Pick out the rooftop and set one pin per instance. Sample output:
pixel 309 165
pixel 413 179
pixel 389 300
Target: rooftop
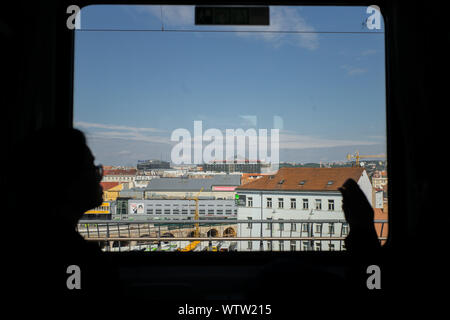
pixel 305 179
pixel 119 172
pixel 188 184
pixel 108 185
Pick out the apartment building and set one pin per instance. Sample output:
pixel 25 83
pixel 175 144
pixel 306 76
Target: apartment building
pixel 306 194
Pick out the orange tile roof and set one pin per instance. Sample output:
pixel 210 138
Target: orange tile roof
pixel 249 177
pixel 108 185
pixel 315 179
pixel 381 228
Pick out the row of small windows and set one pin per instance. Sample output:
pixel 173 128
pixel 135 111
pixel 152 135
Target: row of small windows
pixel 293 203
pixel 302 182
pixel 186 211
pixel 113 178
pixel 101 208
pixel 305 227
pixel 306 246
pixel 190 205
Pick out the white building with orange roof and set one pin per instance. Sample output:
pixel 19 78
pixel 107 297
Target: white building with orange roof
pixel 309 196
pixel 379 179
pixel 126 176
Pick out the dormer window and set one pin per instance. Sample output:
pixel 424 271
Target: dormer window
pixel 281 181
pixel 330 182
pixel 301 183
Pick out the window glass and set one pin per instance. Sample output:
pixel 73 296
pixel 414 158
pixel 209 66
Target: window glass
pixel 194 114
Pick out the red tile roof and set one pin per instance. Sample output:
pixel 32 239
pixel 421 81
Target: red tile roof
pixel 108 185
pixel 314 179
pixel 249 177
pixel 381 228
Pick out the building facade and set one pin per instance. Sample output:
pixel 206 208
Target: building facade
pixel 243 166
pixel 217 187
pixel 297 202
pixel 123 176
pixel 148 165
pixel 176 209
pixel 379 179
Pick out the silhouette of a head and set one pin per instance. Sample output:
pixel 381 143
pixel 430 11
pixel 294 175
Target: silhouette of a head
pixel 60 166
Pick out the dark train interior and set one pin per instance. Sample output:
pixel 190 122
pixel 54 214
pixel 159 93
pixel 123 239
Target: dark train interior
pixel 37 72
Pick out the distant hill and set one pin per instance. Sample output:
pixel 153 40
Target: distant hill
pixel 314 165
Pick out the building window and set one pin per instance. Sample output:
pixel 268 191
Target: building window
pixel 269 202
pixel 304 227
pixel 149 211
pixel 318 246
pixel 166 211
pixel 293 203
pixel 219 211
pixel 305 245
pixel 184 211
pixel 318 228
pixel 331 205
pixel 228 211
pixel 293 245
pixel 331 247
pixel 250 201
pixel 201 211
pixel 210 211
pixel 249 225
pixel 344 229
pixel 281 246
pixel 293 227
pixel 158 211
pixel 250 245
pixel 269 225
pixel 318 204
pixel 305 204
pixel 281 226
pixel 331 228
pixel 280 203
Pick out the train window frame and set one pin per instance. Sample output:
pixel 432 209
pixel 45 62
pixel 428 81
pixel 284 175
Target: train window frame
pixel 387 37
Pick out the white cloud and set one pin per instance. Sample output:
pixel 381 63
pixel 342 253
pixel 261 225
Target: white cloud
pixel 129 136
pixel 107 131
pixel 281 19
pixel 172 16
pixel 296 141
pixel 289 20
pixel 353 71
pixel 83 124
pixel 179 15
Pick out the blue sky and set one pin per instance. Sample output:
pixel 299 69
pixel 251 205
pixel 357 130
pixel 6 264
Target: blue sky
pixel 134 88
